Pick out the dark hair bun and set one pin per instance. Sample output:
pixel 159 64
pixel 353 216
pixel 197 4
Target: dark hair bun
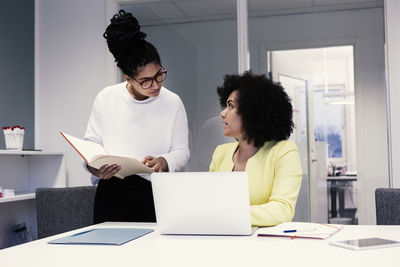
pixel 128 45
pixel 123 32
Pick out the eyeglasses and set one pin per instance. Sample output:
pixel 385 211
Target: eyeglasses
pixel 160 76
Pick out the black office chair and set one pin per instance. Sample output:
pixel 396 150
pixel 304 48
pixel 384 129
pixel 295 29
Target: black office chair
pixel 387 202
pixel 64 209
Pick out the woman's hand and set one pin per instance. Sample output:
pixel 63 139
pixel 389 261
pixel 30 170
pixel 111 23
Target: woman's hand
pixel 157 164
pixel 105 172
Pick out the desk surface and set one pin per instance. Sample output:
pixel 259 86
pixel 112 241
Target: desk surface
pixel 160 250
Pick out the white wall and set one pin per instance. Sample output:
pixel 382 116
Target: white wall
pixel 70 68
pixel 392 23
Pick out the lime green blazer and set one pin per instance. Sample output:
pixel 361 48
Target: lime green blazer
pixel 274 179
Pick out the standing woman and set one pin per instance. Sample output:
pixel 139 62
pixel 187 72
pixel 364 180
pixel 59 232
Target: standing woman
pixel 258 114
pixel 137 118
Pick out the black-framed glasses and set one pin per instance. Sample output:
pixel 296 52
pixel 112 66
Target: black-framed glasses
pixel 160 76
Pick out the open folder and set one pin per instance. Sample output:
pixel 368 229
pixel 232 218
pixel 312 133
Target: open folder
pixel 103 236
pixel 95 156
pixel 300 230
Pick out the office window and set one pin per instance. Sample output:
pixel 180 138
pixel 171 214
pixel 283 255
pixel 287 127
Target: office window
pixel 329 121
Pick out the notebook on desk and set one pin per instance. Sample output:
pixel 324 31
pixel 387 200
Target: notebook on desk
pixel 300 230
pixel 103 236
pixel 202 203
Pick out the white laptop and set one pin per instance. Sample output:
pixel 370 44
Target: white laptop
pixel 202 203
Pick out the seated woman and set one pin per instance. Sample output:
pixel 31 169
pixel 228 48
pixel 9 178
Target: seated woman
pixel 258 114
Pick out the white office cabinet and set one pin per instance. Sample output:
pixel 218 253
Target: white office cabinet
pixel 24 171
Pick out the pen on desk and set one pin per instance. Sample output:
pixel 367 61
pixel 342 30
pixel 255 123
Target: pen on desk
pixel 298 230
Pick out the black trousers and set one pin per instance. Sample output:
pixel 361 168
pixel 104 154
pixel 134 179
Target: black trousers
pixel 124 200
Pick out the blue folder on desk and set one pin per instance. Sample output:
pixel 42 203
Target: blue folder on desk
pixel 103 236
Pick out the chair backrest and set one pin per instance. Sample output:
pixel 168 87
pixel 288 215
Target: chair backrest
pixel 64 209
pixel 387 202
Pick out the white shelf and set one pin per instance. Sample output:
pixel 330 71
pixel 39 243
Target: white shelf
pixel 18 197
pixel 28 152
pixel 25 171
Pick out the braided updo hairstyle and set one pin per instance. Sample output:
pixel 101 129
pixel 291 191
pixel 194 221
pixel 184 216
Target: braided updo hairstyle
pixel 128 45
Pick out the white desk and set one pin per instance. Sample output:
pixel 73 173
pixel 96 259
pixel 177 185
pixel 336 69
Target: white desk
pixel 159 250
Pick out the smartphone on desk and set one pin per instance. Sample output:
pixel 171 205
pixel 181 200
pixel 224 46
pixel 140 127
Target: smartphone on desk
pixel 365 243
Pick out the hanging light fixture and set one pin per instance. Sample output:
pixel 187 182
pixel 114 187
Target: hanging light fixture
pixel 338 97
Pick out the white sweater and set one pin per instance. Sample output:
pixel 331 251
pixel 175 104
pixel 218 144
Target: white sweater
pixel 125 126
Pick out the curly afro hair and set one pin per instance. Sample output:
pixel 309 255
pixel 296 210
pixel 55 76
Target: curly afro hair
pixel 128 45
pixel 263 105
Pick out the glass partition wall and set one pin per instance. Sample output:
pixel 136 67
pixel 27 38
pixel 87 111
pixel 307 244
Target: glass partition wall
pixel 320 82
pixel 197 42
pixel 300 45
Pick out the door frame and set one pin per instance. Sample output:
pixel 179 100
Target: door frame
pixel 311 159
pixel 365 214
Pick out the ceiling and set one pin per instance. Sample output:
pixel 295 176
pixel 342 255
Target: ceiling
pixel 158 12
